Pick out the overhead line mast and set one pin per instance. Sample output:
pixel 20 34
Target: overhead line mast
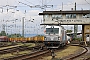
pixel 75 26
pixel 36 6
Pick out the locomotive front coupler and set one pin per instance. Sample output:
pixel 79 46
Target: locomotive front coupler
pixel 52 53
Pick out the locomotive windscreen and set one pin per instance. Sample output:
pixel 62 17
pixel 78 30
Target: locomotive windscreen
pixel 52 30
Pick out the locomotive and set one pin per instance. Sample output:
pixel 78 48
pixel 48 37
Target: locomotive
pixel 55 37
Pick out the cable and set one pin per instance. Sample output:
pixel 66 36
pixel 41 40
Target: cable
pixel 25 4
pixel 69 4
pixel 49 1
pixel 29 2
pixel 87 2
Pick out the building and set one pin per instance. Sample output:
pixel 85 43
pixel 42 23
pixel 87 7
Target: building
pixel 72 17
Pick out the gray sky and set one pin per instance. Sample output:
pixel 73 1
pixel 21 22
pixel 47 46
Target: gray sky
pixel 8 13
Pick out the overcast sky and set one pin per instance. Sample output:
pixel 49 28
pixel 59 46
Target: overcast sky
pixel 11 10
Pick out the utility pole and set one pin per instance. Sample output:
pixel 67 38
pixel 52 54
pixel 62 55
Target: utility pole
pixel 75 6
pixel 3 27
pixel 75 26
pixel 23 26
pixel 62 5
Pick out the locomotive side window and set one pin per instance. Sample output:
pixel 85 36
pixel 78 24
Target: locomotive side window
pixel 52 30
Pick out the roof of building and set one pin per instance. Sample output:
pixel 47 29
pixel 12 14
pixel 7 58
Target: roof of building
pixel 65 12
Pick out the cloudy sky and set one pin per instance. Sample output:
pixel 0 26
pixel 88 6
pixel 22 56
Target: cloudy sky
pixel 13 11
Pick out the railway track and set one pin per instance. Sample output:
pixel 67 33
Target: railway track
pixel 78 56
pixel 41 52
pixel 84 55
pixel 14 49
pixel 28 56
pixel 37 52
pixel 34 55
pixel 6 44
pixel 18 49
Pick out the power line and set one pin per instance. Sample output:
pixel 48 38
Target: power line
pixel 29 2
pixel 87 2
pixel 37 6
pixel 69 4
pixel 49 1
pixel 25 4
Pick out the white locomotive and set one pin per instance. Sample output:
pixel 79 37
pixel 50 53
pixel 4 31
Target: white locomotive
pixel 55 36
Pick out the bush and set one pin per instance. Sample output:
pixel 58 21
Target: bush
pixel 78 39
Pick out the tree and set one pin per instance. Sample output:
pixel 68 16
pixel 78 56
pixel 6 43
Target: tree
pixel 14 35
pixel 0 34
pixel 69 31
pixel 3 33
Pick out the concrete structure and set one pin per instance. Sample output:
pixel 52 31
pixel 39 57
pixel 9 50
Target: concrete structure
pixel 86 32
pixel 78 17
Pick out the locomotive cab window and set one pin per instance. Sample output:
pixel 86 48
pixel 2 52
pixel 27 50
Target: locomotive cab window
pixel 52 30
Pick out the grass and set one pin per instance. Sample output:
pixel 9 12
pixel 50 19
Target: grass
pixel 29 44
pixel 63 53
pixel 5 43
pixel 66 52
pixel 14 54
pixel 10 47
pixel 19 44
pixel 6 55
